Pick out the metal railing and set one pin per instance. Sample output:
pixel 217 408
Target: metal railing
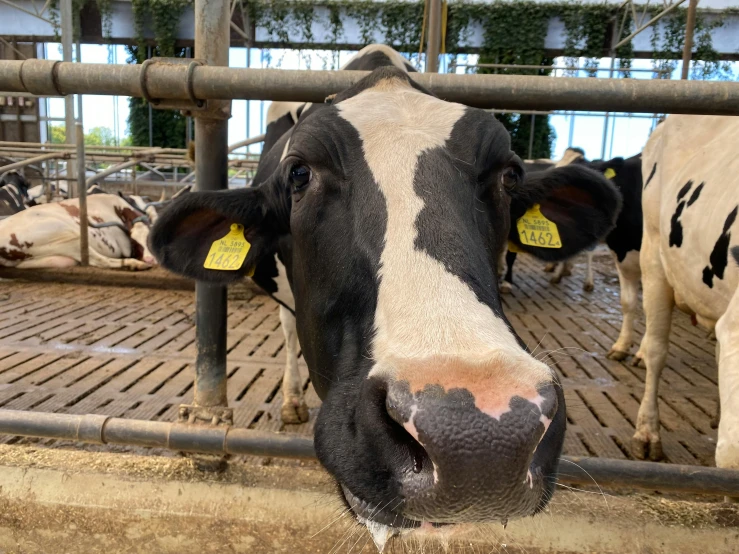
pixel 224 439
pixel 527 92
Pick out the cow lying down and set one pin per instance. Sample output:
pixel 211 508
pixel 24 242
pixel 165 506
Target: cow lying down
pixel 48 235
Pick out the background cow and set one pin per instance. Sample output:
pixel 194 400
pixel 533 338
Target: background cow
pixel 389 207
pixel 624 242
pixel 48 235
pixel 13 193
pixel 690 203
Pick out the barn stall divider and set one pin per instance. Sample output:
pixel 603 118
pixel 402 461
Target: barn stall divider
pixel 203 87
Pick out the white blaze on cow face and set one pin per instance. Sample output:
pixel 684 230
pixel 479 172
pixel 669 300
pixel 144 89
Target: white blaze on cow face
pixel 426 317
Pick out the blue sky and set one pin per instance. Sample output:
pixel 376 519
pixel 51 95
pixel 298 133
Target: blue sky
pixel 626 138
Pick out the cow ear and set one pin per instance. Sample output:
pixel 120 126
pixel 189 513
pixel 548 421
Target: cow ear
pixel 184 233
pixel 562 211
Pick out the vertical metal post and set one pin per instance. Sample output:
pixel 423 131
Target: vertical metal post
pixel 212 18
pixel 434 34
pixel 82 188
pixel 689 29
pixel 67 34
pixel 571 135
pixel 531 137
pixel 614 39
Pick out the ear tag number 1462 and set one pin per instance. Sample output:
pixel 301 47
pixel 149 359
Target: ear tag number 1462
pixel 534 229
pixel 229 252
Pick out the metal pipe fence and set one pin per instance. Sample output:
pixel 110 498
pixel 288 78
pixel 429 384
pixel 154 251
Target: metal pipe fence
pixel 527 92
pixel 225 439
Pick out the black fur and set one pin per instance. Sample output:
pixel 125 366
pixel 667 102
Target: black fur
pixel 720 254
pixel 13 193
pixel 676 227
pixel 651 174
pixel 626 236
pixel 580 201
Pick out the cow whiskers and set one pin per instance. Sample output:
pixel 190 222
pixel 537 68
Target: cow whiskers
pixel 586 473
pixel 340 516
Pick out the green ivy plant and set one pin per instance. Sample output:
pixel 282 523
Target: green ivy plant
pixel 290 23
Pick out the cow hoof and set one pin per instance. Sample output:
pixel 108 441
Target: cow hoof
pixel 617 355
pixel 136 265
pixel 638 361
pixel 506 287
pixel 716 419
pixel 646 449
pixel 566 273
pixel 556 279
pixel 293 414
pixel 549 268
pixel 588 286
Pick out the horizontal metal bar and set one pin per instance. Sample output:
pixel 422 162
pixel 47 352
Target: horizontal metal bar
pixel 18 165
pixel 18 118
pixel 234 440
pixel 528 92
pixel 63 146
pixel 555 67
pixel 246 142
pixel 134 432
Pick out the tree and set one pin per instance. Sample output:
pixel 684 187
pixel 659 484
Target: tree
pixel 57 134
pixel 519 125
pixel 168 128
pixel 100 136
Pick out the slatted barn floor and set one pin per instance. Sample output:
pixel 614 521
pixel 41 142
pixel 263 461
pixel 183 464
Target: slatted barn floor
pixel 129 352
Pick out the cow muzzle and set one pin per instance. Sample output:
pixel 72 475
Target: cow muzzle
pixel 482 450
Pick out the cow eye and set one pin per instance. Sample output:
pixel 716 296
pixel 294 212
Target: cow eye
pixel 300 176
pixel 510 178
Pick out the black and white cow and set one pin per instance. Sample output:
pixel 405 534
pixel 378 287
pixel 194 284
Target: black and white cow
pixel 13 193
pixel 691 232
pixel 389 207
pixel 624 241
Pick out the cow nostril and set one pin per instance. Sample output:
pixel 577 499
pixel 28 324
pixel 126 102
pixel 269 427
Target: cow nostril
pixel 403 432
pixel 417 462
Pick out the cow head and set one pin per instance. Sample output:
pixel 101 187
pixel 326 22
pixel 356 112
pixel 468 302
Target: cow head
pixel 396 204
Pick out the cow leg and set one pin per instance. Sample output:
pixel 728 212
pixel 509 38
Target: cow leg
pixel 48 262
pixel 294 408
pixel 727 351
pixel 659 300
pixel 716 419
pixel 638 360
pixel 98 260
pixel 629 275
pixel 589 284
pixel 506 285
pixel 564 269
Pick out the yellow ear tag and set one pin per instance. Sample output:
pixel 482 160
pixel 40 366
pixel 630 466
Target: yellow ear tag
pixel 609 173
pixel 228 253
pixel 534 229
pixel 512 247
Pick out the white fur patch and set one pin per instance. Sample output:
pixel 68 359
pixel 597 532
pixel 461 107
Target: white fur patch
pixel 395 58
pixel 422 309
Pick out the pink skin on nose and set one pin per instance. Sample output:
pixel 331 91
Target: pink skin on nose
pixel 493 381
